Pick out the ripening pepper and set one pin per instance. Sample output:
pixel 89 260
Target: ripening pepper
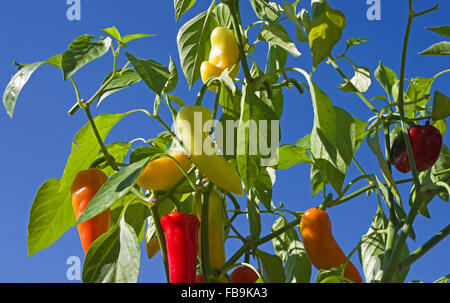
pixel 216 235
pixel 320 245
pixel 190 123
pixel 84 187
pixel 426 144
pixel 244 274
pixel 181 233
pixel 223 55
pixel 163 173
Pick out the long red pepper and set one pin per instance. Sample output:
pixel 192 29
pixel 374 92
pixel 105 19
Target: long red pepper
pixel 181 231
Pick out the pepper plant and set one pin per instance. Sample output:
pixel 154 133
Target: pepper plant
pixel 213 47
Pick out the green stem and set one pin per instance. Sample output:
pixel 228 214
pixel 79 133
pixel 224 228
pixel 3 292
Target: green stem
pixel 360 95
pixel 108 157
pixel 205 233
pixel 392 231
pixel 418 253
pixel 441 172
pixel 234 9
pixel 390 269
pixel 161 238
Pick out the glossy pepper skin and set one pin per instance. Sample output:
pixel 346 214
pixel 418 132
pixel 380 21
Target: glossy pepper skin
pixel 84 187
pixel 223 55
pixel 216 235
pixel 320 245
pixel 181 233
pixel 243 274
pixel 163 173
pixel 426 144
pixel 190 122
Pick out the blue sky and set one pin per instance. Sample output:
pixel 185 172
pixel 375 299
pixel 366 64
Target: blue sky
pixel 36 143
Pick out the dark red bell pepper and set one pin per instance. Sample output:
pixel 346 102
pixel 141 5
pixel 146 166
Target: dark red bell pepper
pixel 426 143
pixel 181 232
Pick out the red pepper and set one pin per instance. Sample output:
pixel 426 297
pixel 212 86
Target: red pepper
pixel 426 143
pixel 181 232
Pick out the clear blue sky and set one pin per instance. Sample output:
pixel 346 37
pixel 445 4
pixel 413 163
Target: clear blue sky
pixel 36 143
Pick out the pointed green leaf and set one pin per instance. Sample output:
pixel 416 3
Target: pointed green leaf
pixel 439 49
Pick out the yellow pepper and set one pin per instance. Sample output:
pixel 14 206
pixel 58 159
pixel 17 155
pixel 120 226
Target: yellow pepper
pixel 223 55
pixel 216 235
pixel 190 122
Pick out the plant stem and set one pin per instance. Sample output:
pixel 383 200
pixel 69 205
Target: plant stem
pixel 360 95
pixel 205 233
pixel 108 157
pixel 390 269
pixel 414 256
pixel 234 8
pixel 392 231
pixel 161 238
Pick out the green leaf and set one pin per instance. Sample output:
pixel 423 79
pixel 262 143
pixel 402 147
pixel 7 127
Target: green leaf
pixel 443 30
pixel 21 78
pixel 254 141
pixel 441 125
pixel 223 15
pixel 51 213
pixel 298 266
pixel 124 80
pixel 194 43
pixel 282 243
pixel 276 60
pixel 118 150
pixel 355 41
pixel 441 164
pixel 444 279
pixel 360 82
pixel 273 271
pixel 253 215
pixel 181 6
pixel 441 106
pixel 269 11
pixel 374 145
pixel 289 10
pixel 317 180
pixel 82 51
pixel 48 217
pixel 386 77
pixel 331 275
pixel 173 77
pixel 372 248
pixel 262 187
pixel 153 73
pixel 113 32
pixel 114 257
pixel 333 144
pixel 276 34
pixel 289 155
pixel 129 38
pixel 439 49
pixel 325 32
pixel 116 187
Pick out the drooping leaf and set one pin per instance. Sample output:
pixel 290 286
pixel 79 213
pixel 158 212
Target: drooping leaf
pixel 153 73
pixel 181 6
pixel 124 80
pixel 386 77
pixel 21 78
pixel 82 51
pixel 194 44
pixel 325 32
pixel 276 34
pixel 273 271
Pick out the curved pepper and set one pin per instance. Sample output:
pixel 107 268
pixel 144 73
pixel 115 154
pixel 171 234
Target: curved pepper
pixel 84 187
pixel 190 122
pixel 320 245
